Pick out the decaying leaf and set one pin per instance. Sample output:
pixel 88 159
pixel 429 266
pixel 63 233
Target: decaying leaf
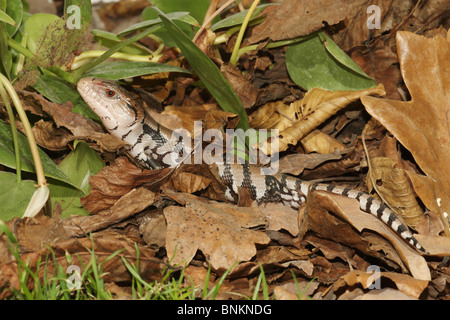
pixel 221 231
pixel 325 225
pixel 297 162
pixel 421 125
pixel 116 180
pixel 319 142
pixel 131 203
pixel 394 187
pixel 405 283
pixel 298 119
pixel 277 26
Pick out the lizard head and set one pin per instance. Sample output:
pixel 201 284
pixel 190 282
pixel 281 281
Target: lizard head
pixel 117 110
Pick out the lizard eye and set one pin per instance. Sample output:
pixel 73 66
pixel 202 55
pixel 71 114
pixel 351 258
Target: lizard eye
pixel 110 93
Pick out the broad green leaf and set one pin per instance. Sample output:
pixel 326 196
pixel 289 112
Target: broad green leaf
pixel 318 62
pixel 36 26
pixel 7 156
pixel 79 165
pixel 208 73
pixel 59 91
pixel 15 11
pixel 238 18
pixel 14 196
pixel 126 69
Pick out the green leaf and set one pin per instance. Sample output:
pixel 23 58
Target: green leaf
pixel 59 91
pixel 181 16
pixel 14 196
pixel 7 156
pixel 15 11
pixel 109 40
pixel 196 8
pixel 6 18
pixel 238 18
pixel 319 62
pixel 126 69
pixel 5 53
pixel 36 25
pixel 79 165
pixel 208 72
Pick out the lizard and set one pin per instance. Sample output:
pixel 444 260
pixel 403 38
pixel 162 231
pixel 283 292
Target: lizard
pixel 152 146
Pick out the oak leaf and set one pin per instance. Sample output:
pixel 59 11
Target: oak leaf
pixel 422 124
pixel 220 230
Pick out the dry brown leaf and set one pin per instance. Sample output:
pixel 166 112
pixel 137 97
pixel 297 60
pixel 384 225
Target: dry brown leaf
pixel 81 127
pixel 153 228
pixel 116 180
pixel 406 284
pixel 176 117
pixel 319 221
pixel 421 125
pixel 188 182
pixel 295 163
pixel 51 138
pixel 244 89
pixel 298 119
pixel 319 142
pixel 221 231
pixel 131 203
pixel 394 188
pixel 294 18
pixel 37 232
pixel 280 217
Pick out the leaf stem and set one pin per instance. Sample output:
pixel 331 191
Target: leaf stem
pixel 29 133
pixel 234 55
pixel 12 121
pixel 79 72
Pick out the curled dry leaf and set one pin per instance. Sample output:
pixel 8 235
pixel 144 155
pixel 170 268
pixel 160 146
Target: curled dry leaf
pixel 220 230
pixel 394 187
pixel 320 203
pixel 298 119
pixel 421 125
pixel 78 125
pixel 319 142
pixel 406 284
pixel 116 180
pixel 131 203
pixel 51 138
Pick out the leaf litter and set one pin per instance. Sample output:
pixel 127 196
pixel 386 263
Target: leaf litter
pixel 330 239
